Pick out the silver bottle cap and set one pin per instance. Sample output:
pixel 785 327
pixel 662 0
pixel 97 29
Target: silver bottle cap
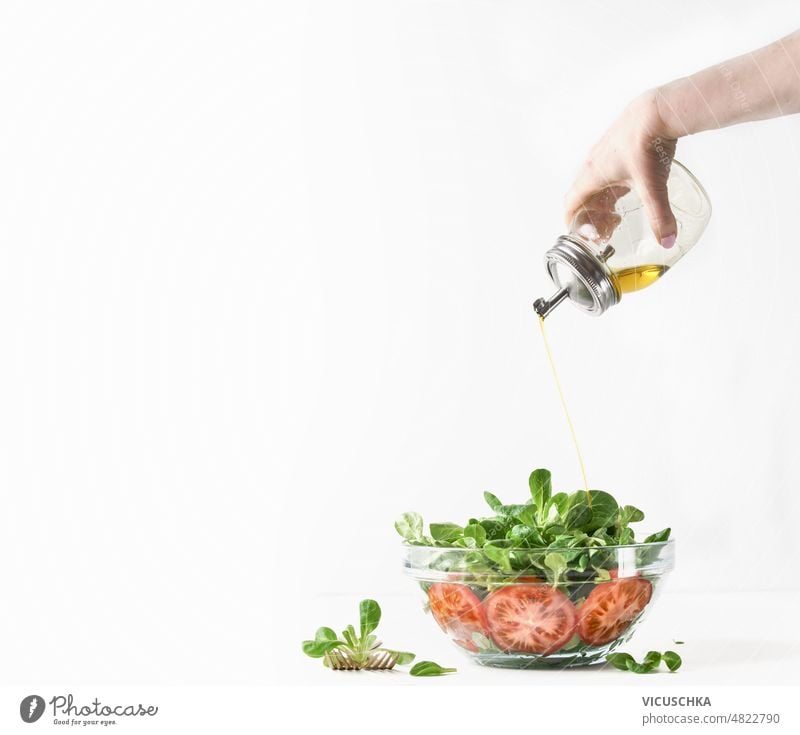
pixel 579 275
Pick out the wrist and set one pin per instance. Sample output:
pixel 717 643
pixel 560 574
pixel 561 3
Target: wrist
pixel 652 116
pixel 676 122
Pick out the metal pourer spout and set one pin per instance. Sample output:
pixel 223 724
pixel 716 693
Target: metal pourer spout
pixel 545 306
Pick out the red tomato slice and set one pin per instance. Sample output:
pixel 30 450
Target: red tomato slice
pixel 458 611
pixel 530 618
pixel 610 608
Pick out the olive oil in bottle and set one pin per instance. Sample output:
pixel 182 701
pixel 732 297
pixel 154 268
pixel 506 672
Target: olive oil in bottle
pixel 611 250
pixel 628 280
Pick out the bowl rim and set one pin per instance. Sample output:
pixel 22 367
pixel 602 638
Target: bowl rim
pixel 546 549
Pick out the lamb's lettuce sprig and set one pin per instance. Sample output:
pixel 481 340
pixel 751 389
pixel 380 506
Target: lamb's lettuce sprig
pixel 650 663
pixel 558 535
pixel 359 647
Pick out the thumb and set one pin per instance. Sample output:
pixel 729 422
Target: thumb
pixel 659 213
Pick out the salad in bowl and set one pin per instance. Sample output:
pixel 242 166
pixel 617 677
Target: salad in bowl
pixel 559 580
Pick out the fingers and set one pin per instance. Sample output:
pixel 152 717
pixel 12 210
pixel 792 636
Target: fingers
pixel 583 188
pixel 653 192
pixel 589 181
pixel 595 224
pixel 593 197
pixel 596 217
pixel 593 190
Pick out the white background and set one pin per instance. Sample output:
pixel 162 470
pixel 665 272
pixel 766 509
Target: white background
pixel 266 273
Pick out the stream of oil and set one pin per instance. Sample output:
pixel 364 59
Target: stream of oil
pixel 627 281
pixel 564 404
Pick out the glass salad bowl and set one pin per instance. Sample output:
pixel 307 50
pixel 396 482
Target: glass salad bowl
pixel 542 607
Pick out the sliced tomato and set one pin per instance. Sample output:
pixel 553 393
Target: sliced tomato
pixel 458 611
pixel 535 618
pixel 611 607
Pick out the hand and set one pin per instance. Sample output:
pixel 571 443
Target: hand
pixel 636 151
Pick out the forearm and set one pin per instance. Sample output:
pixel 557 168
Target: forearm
pixel 756 86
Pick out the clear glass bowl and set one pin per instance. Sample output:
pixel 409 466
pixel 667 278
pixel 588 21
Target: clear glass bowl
pixel 533 617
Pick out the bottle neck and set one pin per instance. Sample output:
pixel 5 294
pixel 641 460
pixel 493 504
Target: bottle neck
pixel 580 275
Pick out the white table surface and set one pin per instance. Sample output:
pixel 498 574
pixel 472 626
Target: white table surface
pixel 735 638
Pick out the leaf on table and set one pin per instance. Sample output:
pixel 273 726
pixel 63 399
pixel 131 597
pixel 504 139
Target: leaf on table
pixel 349 635
pixel 620 660
pixel 672 660
pixel 317 649
pixel 369 613
pixel 652 659
pixel 403 657
pixel 429 668
pixel 649 664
